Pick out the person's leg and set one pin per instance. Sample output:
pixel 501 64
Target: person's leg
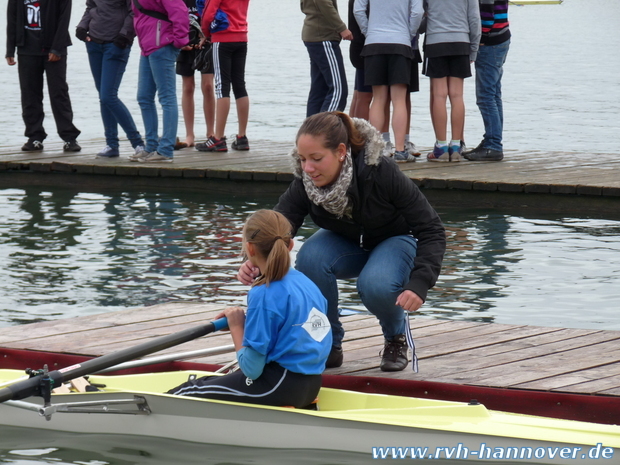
pixel 439 114
pixel 324 258
pixel 58 90
pixel 489 71
pixel 318 85
pixel 457 107
pixel 275 386
pixel 95 59
pixel 114 63
pixel 208 102
pixel 335 77
pixel 398 95
pixel 30 70
pixel 242 100
pixel 383 279
pixel 163 68
pixel 380 98
pixel 146 100
pixel 188 107
pixel 222 62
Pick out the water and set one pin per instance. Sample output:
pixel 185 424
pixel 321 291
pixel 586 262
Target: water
pixel 67 253
pixel 560 84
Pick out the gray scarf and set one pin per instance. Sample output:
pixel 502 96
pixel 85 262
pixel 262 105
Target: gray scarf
pixel 333 198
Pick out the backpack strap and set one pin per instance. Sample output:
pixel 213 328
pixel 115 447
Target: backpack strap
pixel 153 13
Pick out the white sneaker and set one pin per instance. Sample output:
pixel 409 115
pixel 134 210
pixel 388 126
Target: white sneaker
pixel 108 152
pixel 156 157
pixel 139 153
pixel 388 151
pixel 411 148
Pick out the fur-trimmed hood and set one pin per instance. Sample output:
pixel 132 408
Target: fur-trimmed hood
pixel 373 149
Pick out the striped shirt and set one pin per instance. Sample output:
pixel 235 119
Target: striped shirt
pixel 494 19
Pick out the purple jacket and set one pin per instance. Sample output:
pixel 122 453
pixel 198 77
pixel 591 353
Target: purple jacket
pixel 154 33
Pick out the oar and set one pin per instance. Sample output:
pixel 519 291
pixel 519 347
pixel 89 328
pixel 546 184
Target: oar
pixel 33 386
pixel 170 358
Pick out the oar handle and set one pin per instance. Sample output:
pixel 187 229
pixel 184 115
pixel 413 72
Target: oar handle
pixel 220 324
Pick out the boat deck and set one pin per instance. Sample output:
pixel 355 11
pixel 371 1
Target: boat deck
pixel 578 180
pixel 579 361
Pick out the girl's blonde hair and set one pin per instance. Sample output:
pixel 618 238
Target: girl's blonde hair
pixel 270 233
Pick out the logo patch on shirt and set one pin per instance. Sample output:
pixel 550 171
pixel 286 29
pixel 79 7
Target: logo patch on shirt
pixel 317 325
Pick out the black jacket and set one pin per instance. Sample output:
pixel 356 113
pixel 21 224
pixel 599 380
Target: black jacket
pixel 55 17
pixel 386 203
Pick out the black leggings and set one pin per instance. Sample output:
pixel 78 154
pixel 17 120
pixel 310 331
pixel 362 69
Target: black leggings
pixel 276 386
pixel 229 68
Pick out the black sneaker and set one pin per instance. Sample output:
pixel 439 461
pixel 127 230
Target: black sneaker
pixel 335 358
pixel 71 146
pixel 241 143
pixel 395 354
pixel 213 145
pixel 483 154
pixel 32 146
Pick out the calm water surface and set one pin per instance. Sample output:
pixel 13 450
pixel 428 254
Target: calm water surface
pixel 561 87
pixel 67 253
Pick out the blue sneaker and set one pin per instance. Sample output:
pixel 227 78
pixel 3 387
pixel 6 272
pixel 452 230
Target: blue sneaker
pixel 440 153
pixel 403 157
pixel 456 151
pixel 108 152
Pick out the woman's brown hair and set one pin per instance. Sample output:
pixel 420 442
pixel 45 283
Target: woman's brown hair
pixel 337 128
pixel 270 233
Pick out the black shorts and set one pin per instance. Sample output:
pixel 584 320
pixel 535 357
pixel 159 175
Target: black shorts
pixel 275 386
pixel 185 63
pixel 386 70
pixel 359 81
pixel 447 66
pixel 414 82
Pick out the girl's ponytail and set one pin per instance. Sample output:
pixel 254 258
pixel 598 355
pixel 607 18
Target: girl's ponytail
pixel 337 128
pixel 270 233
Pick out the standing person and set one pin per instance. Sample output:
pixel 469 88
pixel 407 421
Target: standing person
pixel 284 340
pixel 185 69
pixel 39 30
pixel 107 29
pixel 362 94
pixel 375 224
pixel 230 49
pixel 451 44
pixel 388 60
pixel 494 45
pixel 162 27
pixel 322 32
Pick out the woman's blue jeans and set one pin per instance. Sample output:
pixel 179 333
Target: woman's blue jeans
pixel 156 75
pixel 489 70
pixel 108 63
pixel 381 275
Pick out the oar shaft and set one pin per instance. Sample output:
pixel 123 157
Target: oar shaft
pixel 29 387
pixel 170 358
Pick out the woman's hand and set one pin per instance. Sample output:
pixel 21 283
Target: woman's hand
pixel 247 273
pixel 409 301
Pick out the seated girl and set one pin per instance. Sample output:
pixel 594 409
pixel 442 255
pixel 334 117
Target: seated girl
pixel 284 340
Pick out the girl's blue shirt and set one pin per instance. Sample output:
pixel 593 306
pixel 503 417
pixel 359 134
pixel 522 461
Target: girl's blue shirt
pixel 286 323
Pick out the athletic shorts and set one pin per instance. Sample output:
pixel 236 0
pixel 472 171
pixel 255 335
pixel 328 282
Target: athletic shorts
pixel 359 81
pixel 386 70
pixel 275 386
pixel 185 63
pixel 448 66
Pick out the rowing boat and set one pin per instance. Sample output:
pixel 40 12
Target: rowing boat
pixel 344 421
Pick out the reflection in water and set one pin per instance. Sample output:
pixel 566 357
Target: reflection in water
pixel 67 253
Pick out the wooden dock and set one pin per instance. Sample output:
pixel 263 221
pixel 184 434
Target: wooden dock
pixel 574 181
pixel 478 354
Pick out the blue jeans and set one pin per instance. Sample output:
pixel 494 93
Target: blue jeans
pixel 381 272
pixel 108 63
pixel 156 74
pixel 489 71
